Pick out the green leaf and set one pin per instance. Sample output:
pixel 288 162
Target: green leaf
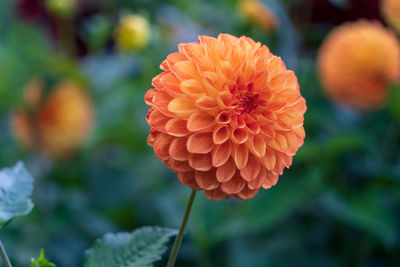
pixel 41 261
pixel 16 185
pixel 141 248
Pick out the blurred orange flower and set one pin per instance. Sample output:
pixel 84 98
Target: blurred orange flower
pixel 58 125
pixel 356 63
pixel 391 12
pixel 255 11
pixel 226 115
pixel 132 33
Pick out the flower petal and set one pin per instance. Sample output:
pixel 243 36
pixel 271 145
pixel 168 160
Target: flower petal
pixel 175 57
pixel 220 134
pixel 259 181
pixel 169 82
pixel 200 121
pixel 226 171
pixel 183 105
pixel 293 142
pixel 187 178
pixel 178 166
pixel 275 67
pixel 215 194
pixel 200 162
pixel 177 149
pixel 271 180
pixel 161 101
pixel 161 146
pixel 281 142
pixel 268 130
pixel 185 70
pixel 200 143
pixel 157 120
pixel 223 117
pixel 269 159
pixel 206 103
pixel 225 69
pixel 149 96
pixel 251 170
pixel 176 127
pixel 206 179
pixel 221 154
pixel 234 185
pixel 192 87
pixel 241 155
pixel 247 193
pixel 192 50
pixel 239 136
pixel 213 82
pixel 259 146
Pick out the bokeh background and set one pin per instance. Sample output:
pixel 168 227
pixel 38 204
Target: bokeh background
pixel 338 205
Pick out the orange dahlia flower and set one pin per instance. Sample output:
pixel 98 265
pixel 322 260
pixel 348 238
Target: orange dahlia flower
pixel 255 11
pixel 58 125
pixel 356 63
pixel 226 115
pixel 391 13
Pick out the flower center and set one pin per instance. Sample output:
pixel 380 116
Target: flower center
pixel 248 102
pixel 244 97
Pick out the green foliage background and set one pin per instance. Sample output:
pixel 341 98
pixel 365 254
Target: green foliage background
pixel 338 205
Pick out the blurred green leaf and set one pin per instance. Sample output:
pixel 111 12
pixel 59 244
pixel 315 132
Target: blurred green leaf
pixel 142 247
pixel 41 261
pixel 394 100
pixel 16 185
pixel 24 53
pixel 364 211
pixel 343 142
pixel 273 206
pixel 97 31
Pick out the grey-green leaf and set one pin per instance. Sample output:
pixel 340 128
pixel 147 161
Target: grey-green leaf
pixel 141 248
pixel 16 185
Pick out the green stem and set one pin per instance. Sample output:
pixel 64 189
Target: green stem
pixel 4 255
pixel 178 239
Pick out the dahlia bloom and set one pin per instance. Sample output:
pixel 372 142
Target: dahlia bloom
pixel 255 11
pixel 356 63
pixel 132 33
pixel 58 125
pixel 391 12
pixel 226 116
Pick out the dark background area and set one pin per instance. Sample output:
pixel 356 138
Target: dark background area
pixel 338 205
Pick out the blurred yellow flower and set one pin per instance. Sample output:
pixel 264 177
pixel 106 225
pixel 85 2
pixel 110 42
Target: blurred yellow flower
pixel 132 33
pixel 59 125
pixel 357 61
pixel 61 7
pixel 391 13
pixel 255 11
